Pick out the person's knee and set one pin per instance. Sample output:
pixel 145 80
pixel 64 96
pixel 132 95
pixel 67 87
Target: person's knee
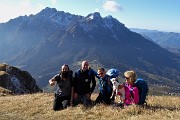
pixel 86 101
pixel 65 103
pixel 56 108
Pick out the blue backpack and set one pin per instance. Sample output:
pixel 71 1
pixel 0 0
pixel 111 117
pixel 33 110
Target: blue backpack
pixel 143 90
pixel 113 73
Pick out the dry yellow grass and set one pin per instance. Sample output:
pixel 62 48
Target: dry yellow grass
pixel 39 107
pixel 4 92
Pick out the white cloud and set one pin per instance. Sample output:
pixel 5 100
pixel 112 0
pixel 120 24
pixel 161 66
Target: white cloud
pixel 111 5
pixel 96 10
pixel 53 2
pixel 9 11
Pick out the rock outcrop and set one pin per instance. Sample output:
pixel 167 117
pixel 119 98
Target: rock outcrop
pixel 17 81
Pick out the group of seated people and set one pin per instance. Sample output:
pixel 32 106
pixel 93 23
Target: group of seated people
pixel 77 89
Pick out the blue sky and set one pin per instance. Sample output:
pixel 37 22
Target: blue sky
pixel 162 15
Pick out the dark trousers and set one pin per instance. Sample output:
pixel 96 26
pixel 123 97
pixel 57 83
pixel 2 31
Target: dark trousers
pixel 103 99
pixel 83 99
pixel 61 102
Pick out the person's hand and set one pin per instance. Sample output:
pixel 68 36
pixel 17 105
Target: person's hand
pixel 75 95
pixel 120 86
pixel 88 95
pixel 52 82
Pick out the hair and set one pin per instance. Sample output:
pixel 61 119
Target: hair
pixel 66 66
pixel 102 69
pixel 61 70
pixel 131 74
pixel 85 61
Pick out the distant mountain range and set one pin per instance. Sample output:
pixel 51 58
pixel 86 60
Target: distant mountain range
pixel 43 42
pixel 167 40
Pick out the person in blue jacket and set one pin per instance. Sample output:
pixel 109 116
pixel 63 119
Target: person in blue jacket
pixel 84 84
pixel 105 87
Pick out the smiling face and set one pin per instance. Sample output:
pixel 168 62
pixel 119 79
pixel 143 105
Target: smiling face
pixel 85 65
pixel 64 68
pixel 101 72
pixel 128 80
pixel 130 77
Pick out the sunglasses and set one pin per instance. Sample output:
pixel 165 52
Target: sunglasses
pixel 126 78
pixel 100 73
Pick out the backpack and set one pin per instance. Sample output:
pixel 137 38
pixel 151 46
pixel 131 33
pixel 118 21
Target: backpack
pixel 113 73
pixel 143 90
pixel 90 72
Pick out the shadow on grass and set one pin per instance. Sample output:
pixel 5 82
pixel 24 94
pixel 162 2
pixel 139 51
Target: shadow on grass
pixel 157 107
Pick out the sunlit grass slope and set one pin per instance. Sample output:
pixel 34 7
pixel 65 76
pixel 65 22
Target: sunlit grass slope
pixel 39 107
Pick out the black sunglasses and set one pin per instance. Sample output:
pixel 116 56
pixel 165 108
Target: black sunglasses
pixel 126 78
pixel 100 73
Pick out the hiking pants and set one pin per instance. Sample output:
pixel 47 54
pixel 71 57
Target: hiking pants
pixel 103 99
pixel 61 102
pixel 83 99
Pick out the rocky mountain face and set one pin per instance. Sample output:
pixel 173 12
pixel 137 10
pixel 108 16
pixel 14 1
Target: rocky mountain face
pixel 43 42
pixel 17 81
pixel 167 40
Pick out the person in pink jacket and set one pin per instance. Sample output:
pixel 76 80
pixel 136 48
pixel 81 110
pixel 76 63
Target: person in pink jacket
pixel 131 91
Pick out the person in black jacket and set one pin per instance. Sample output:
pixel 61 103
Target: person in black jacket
pixel 83 89
pixel 64 88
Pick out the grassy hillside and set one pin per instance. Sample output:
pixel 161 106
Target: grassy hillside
pixel 39 107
